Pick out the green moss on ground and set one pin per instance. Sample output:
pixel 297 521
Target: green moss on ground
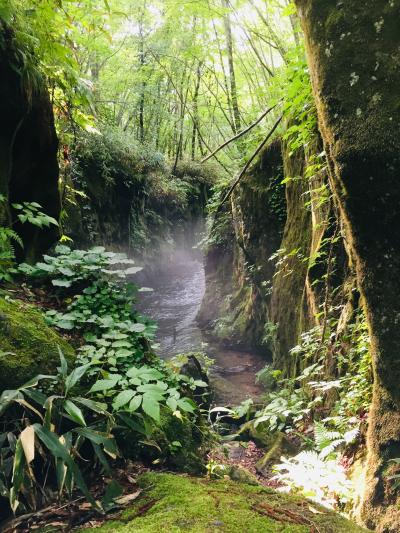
pixel 28 346
pixel 176 503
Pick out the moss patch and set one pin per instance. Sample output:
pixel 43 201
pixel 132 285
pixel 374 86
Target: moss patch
pixel 28 344
pixel 176 503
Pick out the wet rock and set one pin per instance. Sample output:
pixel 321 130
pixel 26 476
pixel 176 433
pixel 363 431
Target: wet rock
pixel 241 475
pixel 279 445
pixel 192 369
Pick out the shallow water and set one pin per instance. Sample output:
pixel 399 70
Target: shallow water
pixel 178 285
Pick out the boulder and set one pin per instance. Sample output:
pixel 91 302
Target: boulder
pixel 28 346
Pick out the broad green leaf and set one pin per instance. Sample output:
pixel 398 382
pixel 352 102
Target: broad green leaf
pixel 186 405
pixel 137 328
pixel 172 403
pixel 106 384
pixel 122 344
pixel 135 403
pixel 63 369
pixel 74 412
pixel 151 407
pixel 61 282
pixel 122 399
pixel 152 388
pixel 73 378
pixel 200 383
pixel 97 407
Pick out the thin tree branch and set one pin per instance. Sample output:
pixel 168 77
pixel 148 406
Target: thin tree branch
pixel 244 169
pixel 238 135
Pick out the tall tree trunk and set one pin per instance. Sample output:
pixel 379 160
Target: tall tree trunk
pixel 196 109
pixel 142 82
pixel 353 52
pixel 232 76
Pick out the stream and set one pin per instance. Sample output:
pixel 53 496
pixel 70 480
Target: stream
pixel 178 284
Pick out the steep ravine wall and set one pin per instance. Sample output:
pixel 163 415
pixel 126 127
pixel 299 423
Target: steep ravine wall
pixel 28 148
pixel 245 234
pixel 119 195
pixel 262 302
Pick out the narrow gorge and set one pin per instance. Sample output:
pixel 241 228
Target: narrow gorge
pixel 199 266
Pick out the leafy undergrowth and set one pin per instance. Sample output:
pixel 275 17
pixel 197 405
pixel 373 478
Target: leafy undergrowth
pixel 176 503
pixel 116 400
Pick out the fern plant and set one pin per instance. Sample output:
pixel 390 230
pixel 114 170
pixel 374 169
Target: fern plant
pixel 8 237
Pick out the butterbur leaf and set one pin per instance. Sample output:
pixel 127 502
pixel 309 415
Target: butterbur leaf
pixel 121 344
pixel 65 324
pixel 74 412
pixel 136 328
pixel 106 384
pixel 61 282
pixel 66 271
pixel 122 398
pixel 200 383
pixel 151 407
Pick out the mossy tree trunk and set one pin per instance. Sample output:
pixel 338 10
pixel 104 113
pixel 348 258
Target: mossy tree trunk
pixel 353 49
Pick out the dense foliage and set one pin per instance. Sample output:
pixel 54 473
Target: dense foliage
pixel 116 391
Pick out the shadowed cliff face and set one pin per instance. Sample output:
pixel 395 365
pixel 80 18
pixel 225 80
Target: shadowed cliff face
pixel 28 148
pixel 238 271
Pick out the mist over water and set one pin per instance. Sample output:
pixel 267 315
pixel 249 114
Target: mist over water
pixel 178 281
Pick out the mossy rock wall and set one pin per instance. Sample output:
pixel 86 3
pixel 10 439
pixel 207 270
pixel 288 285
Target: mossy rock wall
pixel 238 270
pixel 254 302
pixel 124 195
pixel 289 310
pixel 353 54
pixel 28 346
pixel 28 148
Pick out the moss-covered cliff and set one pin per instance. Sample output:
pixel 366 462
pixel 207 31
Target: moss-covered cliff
pixel 238 271
pixel 353 53
pixel 28 346
pixel 28 145
pixel 121 193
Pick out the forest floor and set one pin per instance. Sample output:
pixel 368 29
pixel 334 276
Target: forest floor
pixel 158 501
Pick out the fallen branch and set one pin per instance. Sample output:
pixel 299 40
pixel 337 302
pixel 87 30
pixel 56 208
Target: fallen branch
pixel 244 169
pixel 238 135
